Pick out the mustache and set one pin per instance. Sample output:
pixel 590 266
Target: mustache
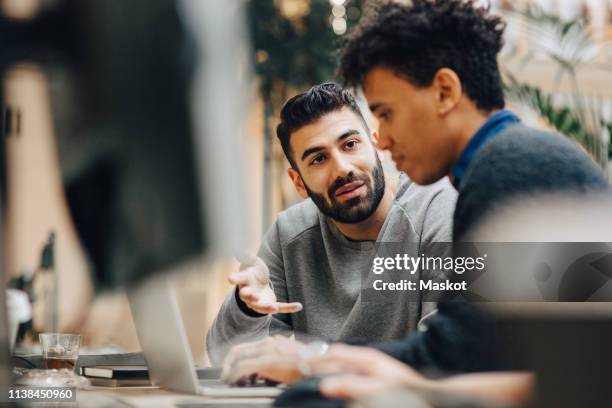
pixel 341 181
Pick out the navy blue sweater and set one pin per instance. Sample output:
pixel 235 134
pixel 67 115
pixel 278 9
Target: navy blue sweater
pixel 519 161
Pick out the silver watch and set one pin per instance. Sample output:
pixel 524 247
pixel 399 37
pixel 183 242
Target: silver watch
pixel 316 348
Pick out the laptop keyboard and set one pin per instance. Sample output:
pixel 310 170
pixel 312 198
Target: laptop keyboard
pixel 218 405
pixel 219 384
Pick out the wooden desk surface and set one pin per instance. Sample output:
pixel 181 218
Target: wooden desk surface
pixel 153 397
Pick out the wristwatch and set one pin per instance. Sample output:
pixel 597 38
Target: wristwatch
pixel 316 348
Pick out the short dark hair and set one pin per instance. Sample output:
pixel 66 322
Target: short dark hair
pixel 416 40
pixel 308 107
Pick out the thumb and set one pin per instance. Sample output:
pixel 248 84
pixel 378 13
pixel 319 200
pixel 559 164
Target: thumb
pixel 289 307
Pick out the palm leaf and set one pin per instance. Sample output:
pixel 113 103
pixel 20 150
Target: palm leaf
pixel 562 119
pixel 570 45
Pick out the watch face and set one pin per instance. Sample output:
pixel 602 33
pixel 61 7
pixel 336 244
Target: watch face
pixel 316 348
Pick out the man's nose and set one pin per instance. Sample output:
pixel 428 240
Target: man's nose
pixel 342 167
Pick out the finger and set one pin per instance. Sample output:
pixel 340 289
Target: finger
pixel 261 274
pixel 230 359
pixel 289 307
pixel 247 291
pixel 248 294
pixel 242 351
pixel 241 278
pixel 264 307
pixel 253 262
pixel 260 365
pixel 243 368
pixel 357 360
pixel 351 386
pixel 257 266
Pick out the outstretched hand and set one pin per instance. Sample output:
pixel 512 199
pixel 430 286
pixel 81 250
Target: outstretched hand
pixel 253 281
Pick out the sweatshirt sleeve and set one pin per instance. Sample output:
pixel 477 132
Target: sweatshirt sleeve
pixel 458 338
pixel 235 323
pixel 272 254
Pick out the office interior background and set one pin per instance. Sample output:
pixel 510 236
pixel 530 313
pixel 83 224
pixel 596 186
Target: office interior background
pixel 556 64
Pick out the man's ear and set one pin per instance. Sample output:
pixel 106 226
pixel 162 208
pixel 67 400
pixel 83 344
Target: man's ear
pixel 447 86
pixel 297 182
pixel 375 138
pixel 377 150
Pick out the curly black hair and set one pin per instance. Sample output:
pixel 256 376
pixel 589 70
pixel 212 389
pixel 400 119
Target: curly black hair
pixel 306 108
pixel 416 40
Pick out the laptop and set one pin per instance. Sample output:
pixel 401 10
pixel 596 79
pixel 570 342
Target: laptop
pixel 165 347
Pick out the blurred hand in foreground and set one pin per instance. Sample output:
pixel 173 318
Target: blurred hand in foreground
pixel 273 358
pixel 356 372
pixel 360 371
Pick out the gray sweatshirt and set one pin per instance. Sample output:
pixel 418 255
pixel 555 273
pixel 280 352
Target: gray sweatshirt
pixel 311 262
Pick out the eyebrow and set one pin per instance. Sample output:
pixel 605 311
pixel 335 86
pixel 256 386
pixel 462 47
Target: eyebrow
pixel 316 149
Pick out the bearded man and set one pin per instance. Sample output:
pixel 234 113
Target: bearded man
pixel 308 276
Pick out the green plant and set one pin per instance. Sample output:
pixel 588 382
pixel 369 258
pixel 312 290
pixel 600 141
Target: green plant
pixel 561 118
pixel 290 52
pixel 570 45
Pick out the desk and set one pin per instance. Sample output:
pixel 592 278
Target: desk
pixel 96 397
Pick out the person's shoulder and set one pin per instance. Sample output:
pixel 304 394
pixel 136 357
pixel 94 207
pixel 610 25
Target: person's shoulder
pixel 297 219
pixel 416 203
pixel 522 150
pixel 520 139
pixel 523 160
pixel 414 197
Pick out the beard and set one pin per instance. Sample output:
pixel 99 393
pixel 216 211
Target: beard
pixel 356 209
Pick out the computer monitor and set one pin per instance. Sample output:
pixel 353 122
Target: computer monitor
pixel 147 99
pixel 147 103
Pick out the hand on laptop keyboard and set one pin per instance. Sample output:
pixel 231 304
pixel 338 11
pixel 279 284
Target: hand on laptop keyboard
pixel 254 381
pixel 275 358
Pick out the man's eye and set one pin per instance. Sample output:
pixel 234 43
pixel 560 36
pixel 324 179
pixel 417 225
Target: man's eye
pixel 318 159
pixel 383 115
pixel 351 144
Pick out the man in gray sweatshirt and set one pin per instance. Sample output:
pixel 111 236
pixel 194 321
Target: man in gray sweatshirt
pixel 307 278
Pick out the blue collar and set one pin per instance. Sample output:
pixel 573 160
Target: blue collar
pixel 493 126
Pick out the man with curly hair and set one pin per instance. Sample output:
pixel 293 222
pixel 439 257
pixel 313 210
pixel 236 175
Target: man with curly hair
pixel 429 72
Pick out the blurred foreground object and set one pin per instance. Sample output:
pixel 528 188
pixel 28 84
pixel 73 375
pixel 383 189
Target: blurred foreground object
pixel 147 126
pixel 147 105
pixel 550 338
pixel 19 311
